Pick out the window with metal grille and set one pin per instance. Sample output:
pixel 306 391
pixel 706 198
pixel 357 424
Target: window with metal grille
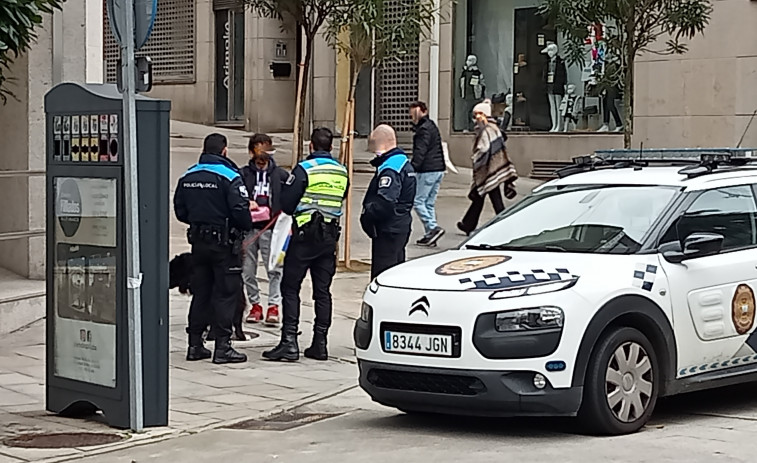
pixel 397 82
pixel 171 46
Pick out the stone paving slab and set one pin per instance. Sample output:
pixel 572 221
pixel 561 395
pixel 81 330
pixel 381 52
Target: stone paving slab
pixel 202 395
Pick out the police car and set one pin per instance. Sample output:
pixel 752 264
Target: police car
pixel 622 281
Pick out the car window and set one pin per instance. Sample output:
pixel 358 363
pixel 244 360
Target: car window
pixel 729 211
pixel 604 219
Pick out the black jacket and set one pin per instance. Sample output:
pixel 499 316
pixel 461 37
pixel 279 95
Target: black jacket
pixel 560 77
pixel 277 176
pixel 390 196
pixel 212 191
pixel 428 155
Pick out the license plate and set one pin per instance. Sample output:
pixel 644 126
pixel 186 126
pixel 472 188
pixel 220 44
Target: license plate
pixel 439 345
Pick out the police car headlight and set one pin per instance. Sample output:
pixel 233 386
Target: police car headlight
pixel 538 318
pixel 366 313
pixel 543 288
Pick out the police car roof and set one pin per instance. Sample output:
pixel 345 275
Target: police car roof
pixel 660 176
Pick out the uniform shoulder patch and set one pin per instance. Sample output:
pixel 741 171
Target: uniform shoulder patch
pixel 385 182
pixel 290 179
pixel 243 191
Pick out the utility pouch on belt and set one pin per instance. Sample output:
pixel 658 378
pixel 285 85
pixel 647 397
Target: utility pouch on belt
pixel 205 234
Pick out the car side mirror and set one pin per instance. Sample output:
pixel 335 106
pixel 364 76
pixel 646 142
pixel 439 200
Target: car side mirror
pixel 694 246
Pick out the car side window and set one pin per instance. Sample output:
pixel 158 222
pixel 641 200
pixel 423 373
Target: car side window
pixel 729 211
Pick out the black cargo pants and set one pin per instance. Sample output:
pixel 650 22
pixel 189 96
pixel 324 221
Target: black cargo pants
pixel 216 284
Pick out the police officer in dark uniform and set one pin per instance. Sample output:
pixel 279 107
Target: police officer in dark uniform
pixel 313 195
pixel 211 197
pixel 387 204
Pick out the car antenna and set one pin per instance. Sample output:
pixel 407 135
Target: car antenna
pixel 641 156
pixel 747 129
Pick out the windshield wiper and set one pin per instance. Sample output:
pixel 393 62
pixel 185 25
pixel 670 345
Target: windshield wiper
pixel 506 247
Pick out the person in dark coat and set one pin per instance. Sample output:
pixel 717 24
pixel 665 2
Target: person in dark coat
pixel 212 199
pixel 429 166
pixel 263 179
pixel 387 204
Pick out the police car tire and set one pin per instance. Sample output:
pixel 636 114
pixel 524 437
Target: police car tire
pixel 595 414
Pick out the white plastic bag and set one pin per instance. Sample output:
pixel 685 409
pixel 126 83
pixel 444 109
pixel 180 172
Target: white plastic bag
pixel 282 233
pixel 447 162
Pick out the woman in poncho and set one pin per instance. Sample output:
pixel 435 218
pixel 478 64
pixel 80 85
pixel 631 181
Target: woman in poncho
pixel 491 168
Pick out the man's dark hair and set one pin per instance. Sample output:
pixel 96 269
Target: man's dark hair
pixel 419 104
pixel 214 144
pixel 259 139
pixel 322 139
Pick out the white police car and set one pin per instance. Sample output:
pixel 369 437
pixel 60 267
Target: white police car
pixel 603 290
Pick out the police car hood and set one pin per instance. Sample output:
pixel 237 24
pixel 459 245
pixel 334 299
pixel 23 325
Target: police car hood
pixel 464 270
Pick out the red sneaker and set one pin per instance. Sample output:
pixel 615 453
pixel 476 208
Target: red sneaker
pixel 256 314
pixel 272 317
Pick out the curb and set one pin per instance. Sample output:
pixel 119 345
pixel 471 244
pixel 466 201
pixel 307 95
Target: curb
pixel 131 442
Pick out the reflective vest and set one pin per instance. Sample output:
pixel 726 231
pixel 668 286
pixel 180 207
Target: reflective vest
pixel 327 185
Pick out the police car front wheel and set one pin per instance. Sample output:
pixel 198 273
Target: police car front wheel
pixel 621 385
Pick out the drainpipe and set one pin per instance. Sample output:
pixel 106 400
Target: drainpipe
pixel 57 47
pixel 433 87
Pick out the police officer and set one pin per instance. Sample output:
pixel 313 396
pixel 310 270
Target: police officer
pixel 387 204
pixel 313 195
pixel 213 200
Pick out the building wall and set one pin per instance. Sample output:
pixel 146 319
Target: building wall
pixel 269 101
pixel 66 50
pixel 706 97
pixel 194 102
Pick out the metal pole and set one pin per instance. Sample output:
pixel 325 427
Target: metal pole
pixel 134 274
pixel 433 87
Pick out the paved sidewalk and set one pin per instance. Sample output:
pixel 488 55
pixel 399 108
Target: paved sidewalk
pixel 202 395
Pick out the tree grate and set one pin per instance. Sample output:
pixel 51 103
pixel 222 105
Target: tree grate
pixel 282 421
pixel 63 440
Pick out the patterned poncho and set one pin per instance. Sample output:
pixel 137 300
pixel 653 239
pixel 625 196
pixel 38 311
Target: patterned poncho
pixel 491 166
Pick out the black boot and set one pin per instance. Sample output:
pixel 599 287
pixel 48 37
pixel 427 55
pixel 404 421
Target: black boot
pixel 317 350
pixel 197 350
pixel 287 348
pixel 224 353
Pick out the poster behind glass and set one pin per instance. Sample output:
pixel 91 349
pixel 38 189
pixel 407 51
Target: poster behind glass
pixel 85 280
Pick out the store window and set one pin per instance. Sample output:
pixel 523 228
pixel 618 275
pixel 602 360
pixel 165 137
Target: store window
pixel 506 51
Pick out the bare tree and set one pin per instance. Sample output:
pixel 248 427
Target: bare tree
pixel 632 28
pixel 363 33
pixel 308 16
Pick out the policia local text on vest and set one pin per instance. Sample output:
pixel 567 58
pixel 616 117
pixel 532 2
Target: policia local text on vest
pixel 314 195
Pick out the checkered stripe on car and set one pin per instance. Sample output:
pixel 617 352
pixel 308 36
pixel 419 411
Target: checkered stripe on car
pixel 644 276
pixel 514 279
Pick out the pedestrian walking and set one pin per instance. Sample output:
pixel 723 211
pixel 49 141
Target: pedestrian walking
pixel 313 194
pixel 264 180
pixel 387 204
pixel 213 200
pixel 491 168
pixel 429 166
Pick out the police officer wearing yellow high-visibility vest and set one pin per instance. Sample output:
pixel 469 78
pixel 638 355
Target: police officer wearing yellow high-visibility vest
pixel 313 194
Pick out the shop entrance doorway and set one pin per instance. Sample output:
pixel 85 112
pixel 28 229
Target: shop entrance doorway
pixel 530 102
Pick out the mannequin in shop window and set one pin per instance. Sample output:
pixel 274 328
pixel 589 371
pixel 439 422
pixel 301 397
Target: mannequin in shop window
pixel 568 110
pixel 472 87
pixel 555 77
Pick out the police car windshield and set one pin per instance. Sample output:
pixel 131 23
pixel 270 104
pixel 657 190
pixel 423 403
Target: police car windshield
pixel 589 219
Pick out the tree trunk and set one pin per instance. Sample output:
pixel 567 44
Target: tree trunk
pixel 347 156
pixel 301 105
pixel 628 83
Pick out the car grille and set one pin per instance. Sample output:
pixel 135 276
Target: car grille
pixel 426 382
